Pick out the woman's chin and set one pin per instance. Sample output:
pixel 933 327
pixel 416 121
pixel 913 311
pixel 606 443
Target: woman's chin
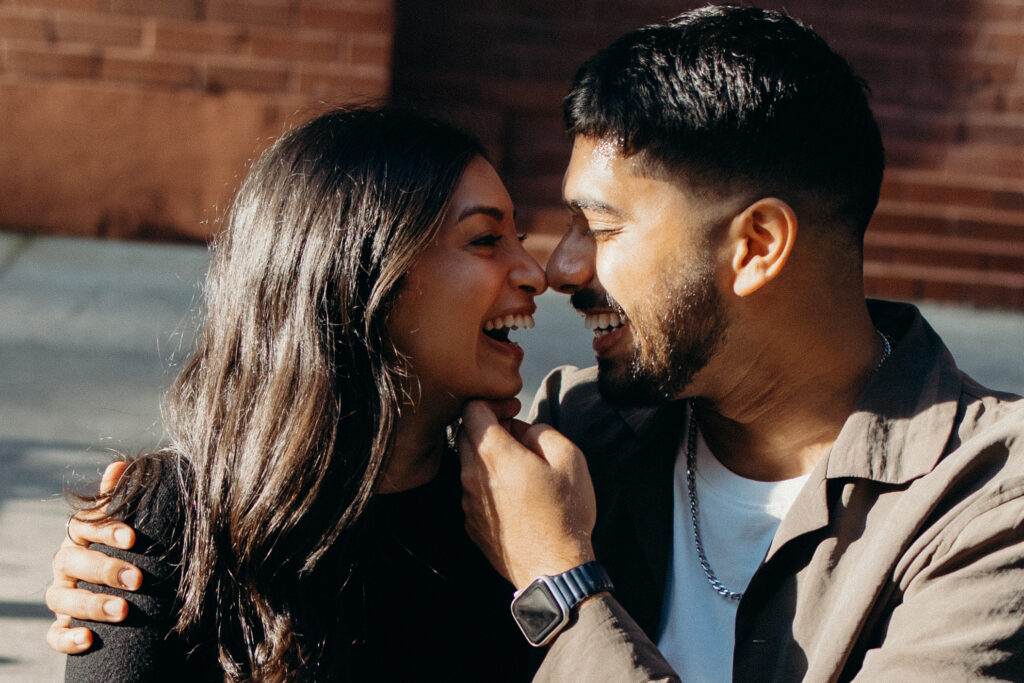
pixel 501 391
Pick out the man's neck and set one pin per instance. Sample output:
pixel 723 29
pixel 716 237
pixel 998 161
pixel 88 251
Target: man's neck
pixel 784 410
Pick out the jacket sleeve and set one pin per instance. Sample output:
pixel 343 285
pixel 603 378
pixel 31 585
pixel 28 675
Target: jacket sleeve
pixel 604 644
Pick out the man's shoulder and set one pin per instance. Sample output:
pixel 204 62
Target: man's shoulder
pixel 991 417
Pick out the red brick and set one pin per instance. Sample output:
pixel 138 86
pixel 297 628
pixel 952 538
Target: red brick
pixel 997 10
pixel 943 251
pixel 25 25
pixel 991 224
pixel 55 63
pixel 297 45
pixel 936 193
pixel 98 30
pixel 68 5
pixel 370 49
pixel 946 284
pixel 200 37
pixel 178 9
pixel 244 75
pixel 258 12
pixel 1006 40
pixel 148 69
pixel 343 83
pixel 352 19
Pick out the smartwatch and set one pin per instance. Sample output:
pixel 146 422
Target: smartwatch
pixel 543 608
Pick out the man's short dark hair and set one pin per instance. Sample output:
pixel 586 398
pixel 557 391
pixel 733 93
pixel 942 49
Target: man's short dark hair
pixel 738 101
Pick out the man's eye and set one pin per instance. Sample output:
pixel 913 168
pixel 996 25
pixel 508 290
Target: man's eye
pixel 600 235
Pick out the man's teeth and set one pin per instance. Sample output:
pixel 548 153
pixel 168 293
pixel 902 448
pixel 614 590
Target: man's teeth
pixel 513 322
pixel 603 323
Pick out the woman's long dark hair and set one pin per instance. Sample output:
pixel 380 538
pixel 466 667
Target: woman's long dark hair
pixel 284 415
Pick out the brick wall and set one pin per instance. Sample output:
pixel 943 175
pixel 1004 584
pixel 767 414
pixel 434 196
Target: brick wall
pixel 136 118
pixel 948 82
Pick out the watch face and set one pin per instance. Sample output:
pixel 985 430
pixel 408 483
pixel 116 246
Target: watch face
pixel 537 613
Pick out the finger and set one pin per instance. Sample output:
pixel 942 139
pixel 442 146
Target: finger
pixel 72 564
pixel 109 532
pixel 506 408
pixel 543 439
pixel 68 640
pixel 483 437
pixel 86 605
pixel 477 419
pixel 518 429
pixel 112 475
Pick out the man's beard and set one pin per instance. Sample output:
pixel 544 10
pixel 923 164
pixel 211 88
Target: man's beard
pixel 674 337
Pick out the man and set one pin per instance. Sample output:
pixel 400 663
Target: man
pixel 791 483
pixel 787 482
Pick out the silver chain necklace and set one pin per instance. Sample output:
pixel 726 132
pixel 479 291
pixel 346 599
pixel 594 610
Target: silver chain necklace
pixel 691 487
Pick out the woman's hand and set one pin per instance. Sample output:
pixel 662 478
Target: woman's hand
pixel 75 562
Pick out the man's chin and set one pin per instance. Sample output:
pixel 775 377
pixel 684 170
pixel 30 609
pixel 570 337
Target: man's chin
pixel 625 389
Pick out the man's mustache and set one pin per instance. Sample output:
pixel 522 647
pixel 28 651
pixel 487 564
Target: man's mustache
pixel 585 299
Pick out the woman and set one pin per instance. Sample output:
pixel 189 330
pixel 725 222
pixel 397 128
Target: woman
pixel 304 521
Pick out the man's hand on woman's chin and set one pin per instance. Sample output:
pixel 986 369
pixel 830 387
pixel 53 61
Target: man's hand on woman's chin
pixel 75 562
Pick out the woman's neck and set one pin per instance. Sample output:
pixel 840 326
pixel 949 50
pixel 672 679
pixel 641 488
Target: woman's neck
pixel 420 442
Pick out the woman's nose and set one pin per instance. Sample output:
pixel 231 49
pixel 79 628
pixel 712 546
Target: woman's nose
pixel 527 274
pixel 571 266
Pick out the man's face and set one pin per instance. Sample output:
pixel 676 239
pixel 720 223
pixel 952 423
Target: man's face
pixel 638 262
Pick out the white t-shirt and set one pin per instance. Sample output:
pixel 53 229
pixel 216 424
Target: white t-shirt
pixel 738 518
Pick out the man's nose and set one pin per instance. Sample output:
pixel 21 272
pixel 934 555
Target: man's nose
pixel 571 265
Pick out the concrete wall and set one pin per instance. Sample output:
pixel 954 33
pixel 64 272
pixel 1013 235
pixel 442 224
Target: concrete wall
pixel 136 118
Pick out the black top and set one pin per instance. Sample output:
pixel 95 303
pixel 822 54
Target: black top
pixel 423 603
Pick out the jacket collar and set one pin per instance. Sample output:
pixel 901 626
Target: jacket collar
pixel 900 427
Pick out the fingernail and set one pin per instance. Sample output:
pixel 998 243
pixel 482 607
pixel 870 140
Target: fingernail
pixel 129 578
pixel 123 538
pixel 112 608
pixel 79 637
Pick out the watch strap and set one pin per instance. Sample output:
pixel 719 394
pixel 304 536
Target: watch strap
pixel 581 582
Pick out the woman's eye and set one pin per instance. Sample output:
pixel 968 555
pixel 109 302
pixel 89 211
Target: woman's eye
pixel 522 237
pixel 486 241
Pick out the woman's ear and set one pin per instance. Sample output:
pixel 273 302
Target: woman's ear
pixel 761 238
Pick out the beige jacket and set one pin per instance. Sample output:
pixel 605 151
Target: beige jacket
pixel 901 560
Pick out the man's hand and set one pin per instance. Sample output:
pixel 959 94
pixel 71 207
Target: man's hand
pixel 527 495
pixel 74 562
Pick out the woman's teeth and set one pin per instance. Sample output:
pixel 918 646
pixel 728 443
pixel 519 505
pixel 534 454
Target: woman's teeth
pixel 512 322
pixel 603 323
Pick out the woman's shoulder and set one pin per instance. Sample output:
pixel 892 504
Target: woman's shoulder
pixel 150 496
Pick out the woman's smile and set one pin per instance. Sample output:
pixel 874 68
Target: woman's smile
pixel 467 291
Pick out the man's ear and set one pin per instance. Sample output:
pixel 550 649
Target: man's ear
pixel 761 238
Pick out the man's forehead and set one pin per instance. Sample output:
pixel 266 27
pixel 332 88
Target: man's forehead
pixel 595 163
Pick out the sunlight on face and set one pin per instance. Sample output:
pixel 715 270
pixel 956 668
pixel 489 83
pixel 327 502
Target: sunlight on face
pixel 471 286
pixel 638 262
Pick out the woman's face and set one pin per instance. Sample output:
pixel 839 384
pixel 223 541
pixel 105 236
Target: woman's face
pixel 468 289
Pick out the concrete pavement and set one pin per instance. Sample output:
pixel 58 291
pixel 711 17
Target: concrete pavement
pixel 88 334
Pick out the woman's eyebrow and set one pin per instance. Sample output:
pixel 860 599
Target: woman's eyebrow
pixel 492 211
